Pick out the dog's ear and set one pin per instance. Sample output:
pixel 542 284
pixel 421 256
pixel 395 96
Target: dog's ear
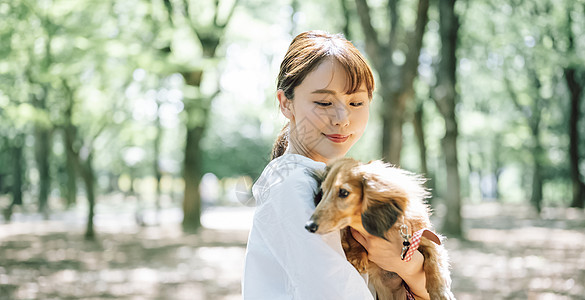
pixel 379 217
pixel 318 176
pixel 381 203
pixel 318 197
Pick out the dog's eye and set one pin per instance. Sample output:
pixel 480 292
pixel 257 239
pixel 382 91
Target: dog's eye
pixel 343 193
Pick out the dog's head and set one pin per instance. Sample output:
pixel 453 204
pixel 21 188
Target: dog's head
pixel 374 195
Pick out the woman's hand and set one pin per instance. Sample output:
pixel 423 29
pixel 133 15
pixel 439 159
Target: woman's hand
pixel 386 254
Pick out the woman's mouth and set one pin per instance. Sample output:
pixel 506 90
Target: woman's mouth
pixel 337 138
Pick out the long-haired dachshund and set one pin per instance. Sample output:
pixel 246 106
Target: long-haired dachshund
pixel 379 199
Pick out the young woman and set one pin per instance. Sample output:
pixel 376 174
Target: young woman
pixel 324 89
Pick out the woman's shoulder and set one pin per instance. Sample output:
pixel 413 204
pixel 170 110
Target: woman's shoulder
pixel 289 167
pixel 290 171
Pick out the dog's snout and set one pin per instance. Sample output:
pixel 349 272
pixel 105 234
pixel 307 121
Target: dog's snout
pixel 311 226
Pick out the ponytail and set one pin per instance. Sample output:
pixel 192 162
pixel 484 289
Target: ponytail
pixel 281 142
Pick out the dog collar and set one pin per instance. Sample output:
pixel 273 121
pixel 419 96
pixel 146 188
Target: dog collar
pixel 411 244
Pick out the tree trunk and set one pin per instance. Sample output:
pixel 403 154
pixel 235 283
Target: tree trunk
pixel 418 124
pixel 498 166
pixel 452 223
pixel 43 131
pixel 209 36
pixel 392 121
pixel 69 133
pixel 17 175
pixel 42 153
pixel 576 90
pixel 538 159
pixel 575 78
pixel 197 110
pixel 394 117
pixel 85 170
pixel 532 114
pixel 446 98
pixel 396 80
pixel 42 135
pixel 17 167
pixel 536 195
pixel 346 19
pixel 157 172
pixel 71 185
pixel 83 165
pixel 89 180
pixel 192 177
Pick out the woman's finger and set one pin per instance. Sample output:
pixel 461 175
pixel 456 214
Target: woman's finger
pixel 359 237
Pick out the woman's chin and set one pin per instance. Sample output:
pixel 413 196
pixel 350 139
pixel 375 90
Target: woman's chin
pixel 335 154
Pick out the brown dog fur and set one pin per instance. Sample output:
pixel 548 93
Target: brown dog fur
pixel 377 198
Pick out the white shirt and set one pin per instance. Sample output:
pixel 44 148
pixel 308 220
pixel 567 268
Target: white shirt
pixel 285 261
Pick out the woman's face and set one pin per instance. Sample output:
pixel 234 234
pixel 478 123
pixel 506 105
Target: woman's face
pixel 324 121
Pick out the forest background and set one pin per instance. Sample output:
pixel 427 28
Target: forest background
pixel 130 121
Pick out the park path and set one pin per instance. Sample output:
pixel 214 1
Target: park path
pixel 508 254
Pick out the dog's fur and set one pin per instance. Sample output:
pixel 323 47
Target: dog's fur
pixel 376 198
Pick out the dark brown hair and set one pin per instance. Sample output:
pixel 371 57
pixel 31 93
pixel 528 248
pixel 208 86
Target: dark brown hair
pixel 306 51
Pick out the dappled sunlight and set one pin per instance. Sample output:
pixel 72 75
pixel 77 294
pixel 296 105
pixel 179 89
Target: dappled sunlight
pixel 508 253
pixel 147 263
pixel 43 259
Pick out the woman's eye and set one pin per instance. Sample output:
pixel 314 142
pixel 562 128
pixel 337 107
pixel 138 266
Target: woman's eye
pixel 357 104
pixel 343 193
pixel 323 103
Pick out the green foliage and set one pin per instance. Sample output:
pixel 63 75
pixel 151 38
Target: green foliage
pixel 121 63
pixel 511 63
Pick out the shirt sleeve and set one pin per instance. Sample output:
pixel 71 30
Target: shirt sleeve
pixel 315 270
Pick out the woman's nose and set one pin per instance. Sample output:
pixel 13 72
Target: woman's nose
pixel 340 116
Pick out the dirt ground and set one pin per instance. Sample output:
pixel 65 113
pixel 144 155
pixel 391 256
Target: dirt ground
pixel 508 253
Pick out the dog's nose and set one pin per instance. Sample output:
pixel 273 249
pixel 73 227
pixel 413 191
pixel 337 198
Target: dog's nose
pixel 311 226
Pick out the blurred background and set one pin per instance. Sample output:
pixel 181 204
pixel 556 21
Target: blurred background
pixel 132 131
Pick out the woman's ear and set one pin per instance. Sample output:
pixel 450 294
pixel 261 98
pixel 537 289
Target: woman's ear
pixel 285 105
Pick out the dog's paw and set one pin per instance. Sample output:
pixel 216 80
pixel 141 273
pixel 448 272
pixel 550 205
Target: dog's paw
pixel 360 262
pixel 443 294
